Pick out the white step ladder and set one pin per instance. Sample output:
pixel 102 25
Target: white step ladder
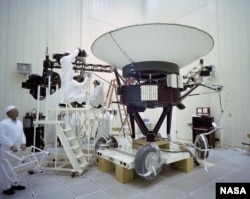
pixel 72 149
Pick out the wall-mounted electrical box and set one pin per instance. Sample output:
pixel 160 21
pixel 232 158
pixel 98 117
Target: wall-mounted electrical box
pixel 23 68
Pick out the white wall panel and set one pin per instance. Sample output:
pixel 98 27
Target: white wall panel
pixel 3 53
pixel 10 75
pixel 228 22
pixel 234 68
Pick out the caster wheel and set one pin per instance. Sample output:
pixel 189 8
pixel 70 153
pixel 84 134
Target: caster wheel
pixel 101 141
pixel 73 174
pixel 30 172
pixel 201 142
pixel 81 175
pixel 108 141
pixel 148 161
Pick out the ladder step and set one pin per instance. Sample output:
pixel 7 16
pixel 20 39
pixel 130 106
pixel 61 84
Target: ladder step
pixel 84 164
pixel 75 147
pixel 67 130
pixel 71 138
pixel 88 155
pixel 79 156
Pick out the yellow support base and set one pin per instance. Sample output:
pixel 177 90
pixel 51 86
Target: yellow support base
pixel 105 165
pixel 122 174
pixel 186 165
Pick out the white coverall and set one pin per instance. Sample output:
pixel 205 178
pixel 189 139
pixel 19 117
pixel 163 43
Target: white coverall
pixel 11 134
pixel 67 73
pixel 96 97
pixel 75 92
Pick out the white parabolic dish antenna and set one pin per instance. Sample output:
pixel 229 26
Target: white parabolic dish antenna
pixel 174 43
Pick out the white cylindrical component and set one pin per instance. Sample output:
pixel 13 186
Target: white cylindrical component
pixel 173 79
pixel 180 81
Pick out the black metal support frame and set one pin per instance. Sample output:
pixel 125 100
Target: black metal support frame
pixel 153 73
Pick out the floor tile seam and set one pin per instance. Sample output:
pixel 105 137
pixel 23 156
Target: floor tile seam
pixel 145 191
pixel 178 190
pixel 198 188
pixel 30 189
pixel 187 181
pixel 99 191
pixel 223 177
pixel 233 157
pixel 229 167
pixel 108 189
pixel 208 184
pixel 71 194
pixel 96 178
pixel 99 186
pixel 243 177
pixel 245 159
pixel 243 163
pixel 118 196
pixel 37 193
pixel 187 195
pixel 64 187
pixel 167 181
pixel 203 186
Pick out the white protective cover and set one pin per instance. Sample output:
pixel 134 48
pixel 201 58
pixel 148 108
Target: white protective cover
pixel 175 43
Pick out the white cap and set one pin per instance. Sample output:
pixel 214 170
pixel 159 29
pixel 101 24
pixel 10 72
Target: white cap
pixel 9 108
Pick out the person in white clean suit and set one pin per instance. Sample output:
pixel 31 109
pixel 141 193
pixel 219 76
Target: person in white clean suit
pixel 96 98
pixel 12 138
pixel 68 73
pixel 75 91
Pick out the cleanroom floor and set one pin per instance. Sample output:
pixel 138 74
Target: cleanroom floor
pixel 224 165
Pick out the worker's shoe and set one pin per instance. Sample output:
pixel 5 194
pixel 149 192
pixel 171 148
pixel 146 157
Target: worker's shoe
pixel 18 187
pixel 62 105
pixel 99 106
pixel 9 191
pixel 76 105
